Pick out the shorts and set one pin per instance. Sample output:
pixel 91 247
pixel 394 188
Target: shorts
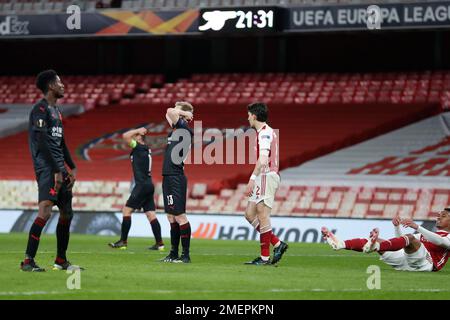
pixel 142 197
pixel 174 194
pixel 266 185
pixel 400 260
pixel 46 186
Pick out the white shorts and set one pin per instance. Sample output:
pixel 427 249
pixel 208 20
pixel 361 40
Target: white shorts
pixel 266 186
pixel 400 260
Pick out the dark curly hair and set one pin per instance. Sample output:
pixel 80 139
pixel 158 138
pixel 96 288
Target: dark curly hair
pixel 260 110
pixel 44 79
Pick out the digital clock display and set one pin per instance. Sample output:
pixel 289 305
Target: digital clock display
pixel 241 19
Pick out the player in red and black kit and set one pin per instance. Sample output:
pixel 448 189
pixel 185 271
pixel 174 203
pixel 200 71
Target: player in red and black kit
pixel 423 251
pixel 50 154
pixel 175 182
pixel 143 191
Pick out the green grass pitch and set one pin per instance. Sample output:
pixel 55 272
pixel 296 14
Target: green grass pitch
pixel 307 271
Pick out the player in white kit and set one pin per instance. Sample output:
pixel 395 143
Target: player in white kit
pixel 263 185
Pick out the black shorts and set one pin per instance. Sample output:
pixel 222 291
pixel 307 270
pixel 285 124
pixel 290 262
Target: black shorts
pixel 142 196
pixel 174 194
pixel 46 185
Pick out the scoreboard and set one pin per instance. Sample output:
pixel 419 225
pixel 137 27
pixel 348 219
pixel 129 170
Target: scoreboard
pixel 244 19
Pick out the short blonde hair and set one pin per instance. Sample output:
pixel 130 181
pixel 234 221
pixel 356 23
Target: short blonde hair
pixel 185 106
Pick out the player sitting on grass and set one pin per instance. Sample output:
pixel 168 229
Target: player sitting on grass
pixel 423 251
pixel 143 191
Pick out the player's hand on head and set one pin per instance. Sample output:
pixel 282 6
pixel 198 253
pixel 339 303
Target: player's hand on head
pixel 142 131
pixel 188 116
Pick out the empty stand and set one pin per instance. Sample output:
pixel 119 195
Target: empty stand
pixel 326 88
pixel 292 200
pixel 316 114
pixel 305 133
pixel 416 154
pixel 91 91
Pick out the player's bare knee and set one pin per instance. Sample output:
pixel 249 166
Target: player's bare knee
pixel 263 221
pixel 45 209
pixel 250 216
pixel 250 212
pixel 181 219
pixel 46 205
pixel 260 208
pixel 150 215
pixel 126 211
pixel 254 222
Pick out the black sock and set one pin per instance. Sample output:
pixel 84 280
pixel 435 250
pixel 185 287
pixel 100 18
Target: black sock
pixel 156 228
pixel 33 237
pixel 62 237
pixel 126 225
pixel 185 231
pixel 174 237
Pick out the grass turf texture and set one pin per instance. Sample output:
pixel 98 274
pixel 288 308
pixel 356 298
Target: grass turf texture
pixel 307 271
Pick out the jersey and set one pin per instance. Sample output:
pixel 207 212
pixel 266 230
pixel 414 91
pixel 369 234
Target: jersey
pixel 47 120
pixel 267 139
pixel 141 161
pixel 174 163
pixel 438 254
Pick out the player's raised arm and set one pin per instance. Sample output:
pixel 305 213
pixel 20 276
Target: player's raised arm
pixel 396 222
pixel 174 114
pixel 431 236
pixel 130 135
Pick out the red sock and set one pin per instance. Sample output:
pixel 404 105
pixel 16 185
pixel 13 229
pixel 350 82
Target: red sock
pixel 264 239
pixel 60 260
pixel 274 239
pixel 355 244
pixel 394 244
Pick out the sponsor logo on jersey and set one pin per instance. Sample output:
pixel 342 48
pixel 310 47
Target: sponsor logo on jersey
pixel 40 123
pixel 57 132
